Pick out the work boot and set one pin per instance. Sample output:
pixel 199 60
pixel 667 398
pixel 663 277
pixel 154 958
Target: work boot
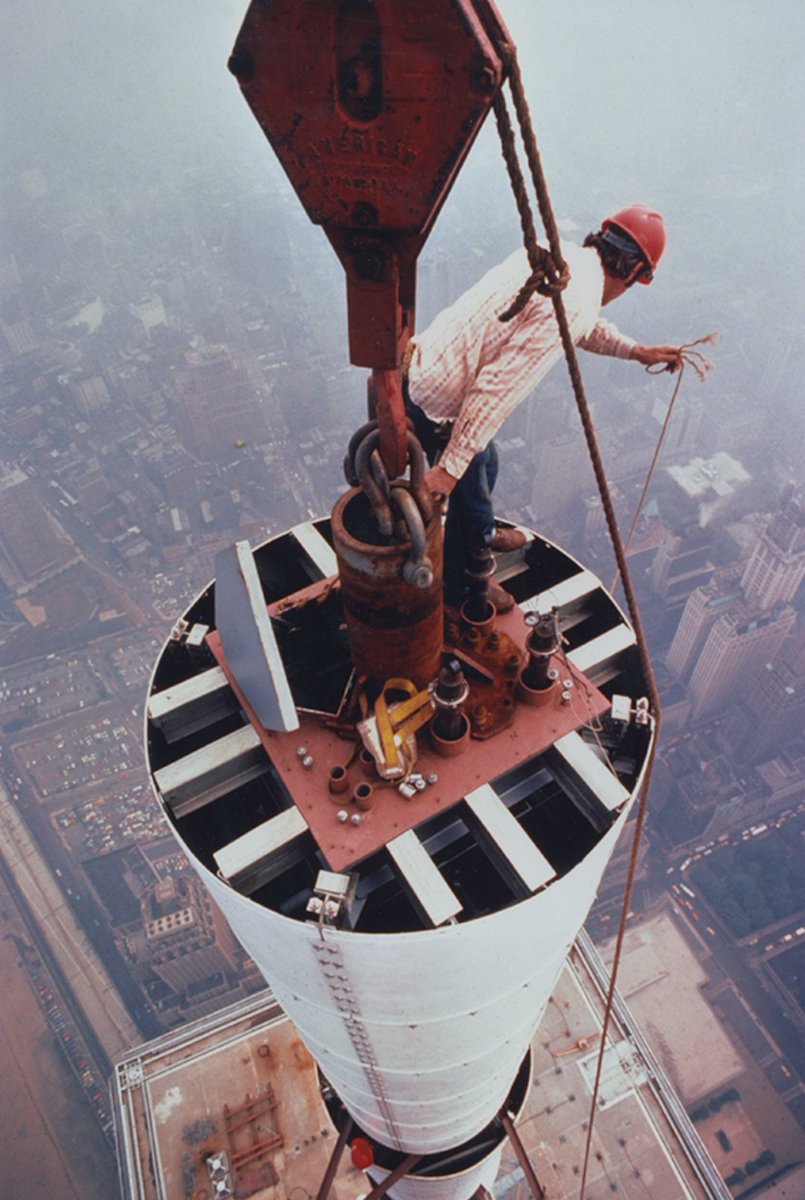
pixel 502 600
pixel 507 539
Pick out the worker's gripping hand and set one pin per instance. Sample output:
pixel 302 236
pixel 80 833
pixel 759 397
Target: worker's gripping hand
pixel 654 356
pixel 439 482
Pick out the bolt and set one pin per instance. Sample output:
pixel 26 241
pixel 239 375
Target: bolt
pixel 480 715
pixel 513 664
pixel 369 264
pixel 566 697
pixel 494 640
pixel 433 778
pixel 419 575
pixel 407 791
pixel 420 784
pixel 342 816
pixel 356 819
pixel 567 684
pixel 364 214
pixel 301 751
pixel 307 762
pixel 452 632
pixel 485 80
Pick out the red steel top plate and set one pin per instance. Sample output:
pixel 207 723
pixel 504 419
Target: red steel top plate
pixel 532 731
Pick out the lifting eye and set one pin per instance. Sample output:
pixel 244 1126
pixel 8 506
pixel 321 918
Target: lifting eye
pixel 360 79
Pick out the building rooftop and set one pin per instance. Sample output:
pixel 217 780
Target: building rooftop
pixel 208 1088
pixel 661 982
pixel 239 1082
pixel 718 475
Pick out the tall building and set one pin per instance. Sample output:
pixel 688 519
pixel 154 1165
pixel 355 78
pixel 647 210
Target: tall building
pixel 703 793
pixel 557 463
pixel 682 435
pixel 187 941
pixel 88 483
pixel 681 565
pixel 702 610
pixel 217 402
pixel 435 287
pixel 91 394
pixel 20 337
pixel 151 311
pixel 735 624
pixel 739 642
pixel 777 564
pixel 28 534
pixel 771 716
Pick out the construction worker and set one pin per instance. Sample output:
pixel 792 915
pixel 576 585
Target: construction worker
pixel 469 370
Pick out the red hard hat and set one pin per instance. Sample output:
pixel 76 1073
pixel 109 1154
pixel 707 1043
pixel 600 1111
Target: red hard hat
pixel 646 227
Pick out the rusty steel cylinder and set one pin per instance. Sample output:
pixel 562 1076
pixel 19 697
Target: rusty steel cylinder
pixel 395 628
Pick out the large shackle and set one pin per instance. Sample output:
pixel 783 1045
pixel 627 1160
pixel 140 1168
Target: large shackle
pixel 394 627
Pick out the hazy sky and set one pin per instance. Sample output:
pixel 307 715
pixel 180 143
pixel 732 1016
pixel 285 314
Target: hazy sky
pixel 692 106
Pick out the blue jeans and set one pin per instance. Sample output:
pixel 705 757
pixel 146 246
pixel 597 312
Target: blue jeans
pixel 470 515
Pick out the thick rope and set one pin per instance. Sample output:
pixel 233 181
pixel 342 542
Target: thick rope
pixel 543 199
pixel 702 366
pixel 535 162
pixel 546 212
pixel 549 274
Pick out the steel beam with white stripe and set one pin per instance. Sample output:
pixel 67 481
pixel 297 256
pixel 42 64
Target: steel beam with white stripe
pixel 192 704
pixel 201 777
pixel 593 657
pixel 256 857
pixel 510 846
pixel 563 594
pixel 590 771
pixel 317 548
pixel 429 890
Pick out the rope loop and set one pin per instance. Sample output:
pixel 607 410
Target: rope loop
pixel 693 358
pixel 547 280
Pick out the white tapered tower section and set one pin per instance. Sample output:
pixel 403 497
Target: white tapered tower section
pixel 414 939
pixel 403 809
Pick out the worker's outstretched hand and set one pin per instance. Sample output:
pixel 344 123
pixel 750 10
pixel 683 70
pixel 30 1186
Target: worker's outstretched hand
pixel 439 482
pixel 653 356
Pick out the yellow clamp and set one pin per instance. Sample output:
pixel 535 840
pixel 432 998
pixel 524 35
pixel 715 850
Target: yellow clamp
pixel 396 722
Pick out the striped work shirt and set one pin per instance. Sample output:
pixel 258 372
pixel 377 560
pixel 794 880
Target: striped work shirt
pixel 471 369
